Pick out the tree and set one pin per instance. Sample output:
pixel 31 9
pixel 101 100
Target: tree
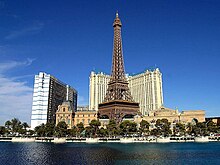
pixel 189 128
pixel 112 128
pixel 128 127
pixel 179 129
pixel 199 129
pixel 45 130
pixel 31 132
pixel 212 127
pixel 23 128
pixel 2 130
pixel 102 132
pixel 155 132
pixel 17 127
pixel 94 124
pixel 40 130
pixel 25 125
pixel 88 131
pixel 124 127
pixel 202 128
pixel 144 126
pixel 14 126
pixel 163 127
pixel 8 125
pixel 61 129
pixel 49 129
pixel 133 128
pixel 72 132
pixel 80 128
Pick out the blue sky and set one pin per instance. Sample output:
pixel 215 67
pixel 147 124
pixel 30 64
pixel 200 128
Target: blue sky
pixel 70 38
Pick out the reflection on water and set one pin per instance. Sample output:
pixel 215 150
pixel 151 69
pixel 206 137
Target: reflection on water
pixel 36 153
pixel 109 153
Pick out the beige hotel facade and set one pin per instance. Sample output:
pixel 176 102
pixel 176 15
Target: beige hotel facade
pixel 145 87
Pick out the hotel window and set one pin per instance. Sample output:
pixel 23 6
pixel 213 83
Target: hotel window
pixel 83 120
pixel 77 121
pixel 88 121
pixel 63 109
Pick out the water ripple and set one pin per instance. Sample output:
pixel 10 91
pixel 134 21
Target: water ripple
pixel 108 153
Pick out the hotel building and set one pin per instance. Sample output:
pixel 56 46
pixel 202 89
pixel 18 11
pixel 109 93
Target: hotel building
pixel 82 115
pixel 145 87
pixel 65 113
pixel 49 93
pixel 85 117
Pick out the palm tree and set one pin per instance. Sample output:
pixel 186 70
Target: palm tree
pixel 2 130
pixel 25 125
pixel 15 125
pixel 23 128
pixel 8 125
pixel 40 130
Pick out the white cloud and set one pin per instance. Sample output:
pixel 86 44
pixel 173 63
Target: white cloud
pixel 11 86
pixel 15 95
pixel 33 29
pixel 12 64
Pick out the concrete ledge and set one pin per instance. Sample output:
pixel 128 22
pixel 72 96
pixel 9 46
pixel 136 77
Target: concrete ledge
pixel 22 139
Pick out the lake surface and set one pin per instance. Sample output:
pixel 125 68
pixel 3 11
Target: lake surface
pixel 109 153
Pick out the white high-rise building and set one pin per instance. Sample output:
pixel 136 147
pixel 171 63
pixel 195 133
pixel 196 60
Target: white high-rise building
pixel 146 89
pixel 48 94
pixel 98 84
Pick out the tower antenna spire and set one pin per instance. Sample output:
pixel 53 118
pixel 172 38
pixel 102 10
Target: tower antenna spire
pixel 117 14
pixel 118 101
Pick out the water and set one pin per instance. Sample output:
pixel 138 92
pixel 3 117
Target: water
pixel 109 153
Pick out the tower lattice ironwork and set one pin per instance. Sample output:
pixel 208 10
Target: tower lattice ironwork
pixel 118 85
pixel 118 101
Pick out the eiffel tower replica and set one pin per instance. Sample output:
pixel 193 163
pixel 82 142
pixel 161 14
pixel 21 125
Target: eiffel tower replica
pixel 118 102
